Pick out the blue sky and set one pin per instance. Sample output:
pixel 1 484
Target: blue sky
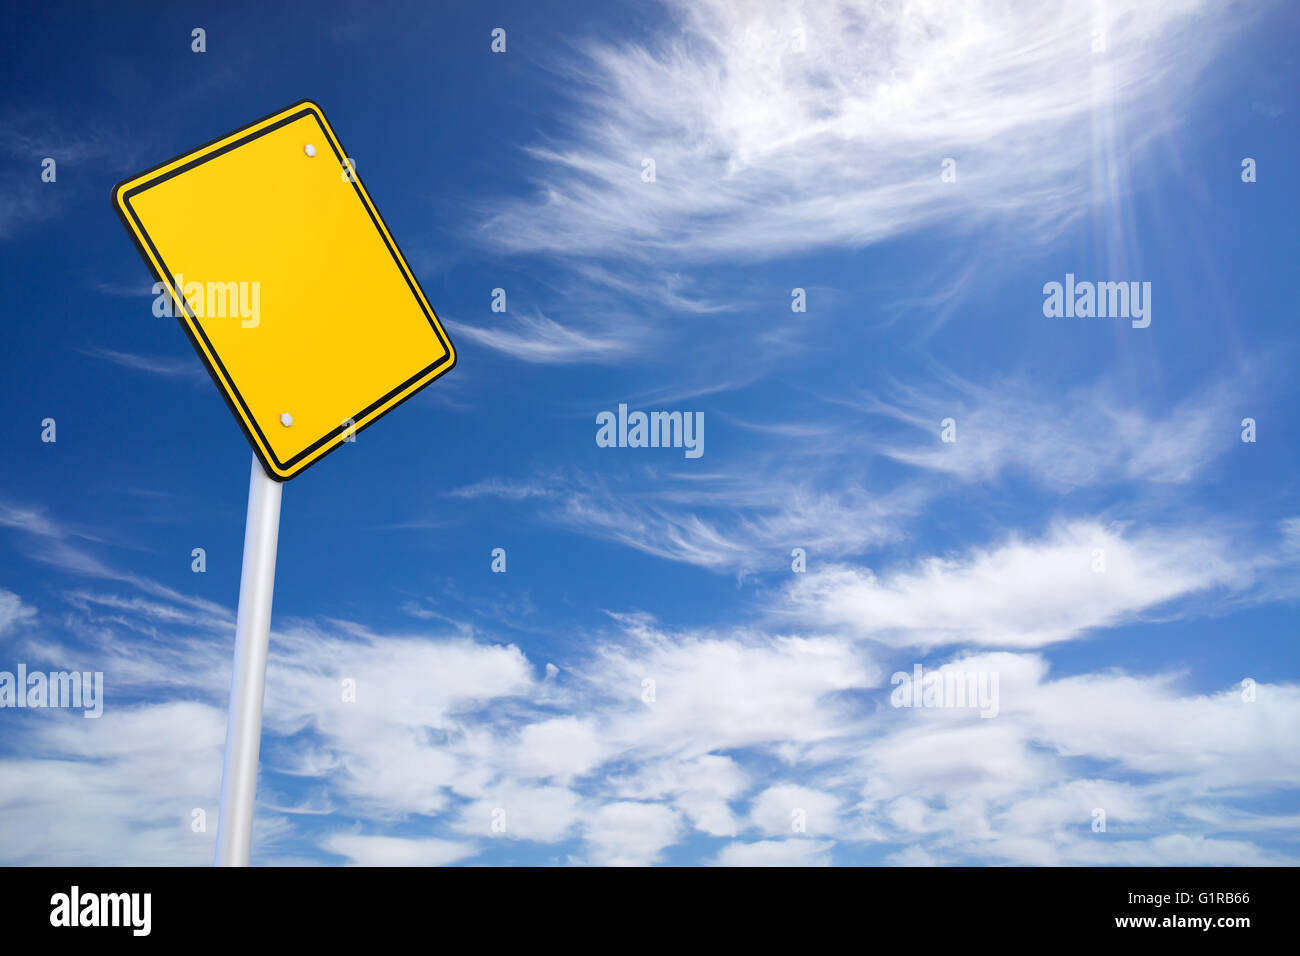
pixel 795 146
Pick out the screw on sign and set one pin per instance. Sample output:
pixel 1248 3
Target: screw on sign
pixel 265 206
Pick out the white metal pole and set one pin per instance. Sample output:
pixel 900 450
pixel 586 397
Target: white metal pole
pixel 252 633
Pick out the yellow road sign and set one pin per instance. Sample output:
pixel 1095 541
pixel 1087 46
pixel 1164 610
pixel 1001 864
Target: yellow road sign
pixel 286 279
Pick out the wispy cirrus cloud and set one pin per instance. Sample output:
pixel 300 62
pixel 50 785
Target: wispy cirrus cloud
pixel 64 548
pixel 782 126
pixel 539 339
pixel 187 368
pixel 498 488
pixel 1078 577
pixel 13 612
pixel 812 481
pixel 725 521
pixel 28 139
pixel 1077 438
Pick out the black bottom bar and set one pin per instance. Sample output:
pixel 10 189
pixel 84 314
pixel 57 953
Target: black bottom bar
pixel 672 906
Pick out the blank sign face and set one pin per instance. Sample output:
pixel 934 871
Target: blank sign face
pixel 288 283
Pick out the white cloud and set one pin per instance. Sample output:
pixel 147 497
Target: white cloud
pixel 496 488
pixel 13 612
pixel 725 521
pixel 378 748
pixel 1174 849
pixel 630 834
pixel 821 492
pixel 29 138
pixel 446 731
pixel 396 851
pixel 1082 438
pixel 1146 726
pixel 122 787
pixel 1021 593
pixel 183 367
pixel 702 788
pixel 762 149
pixel 777 809
pixel 913 856
pixel 714 694
pixel 536 338
pixel 562 748
pixel 543 814
pixel 776 853
pixel 1009 788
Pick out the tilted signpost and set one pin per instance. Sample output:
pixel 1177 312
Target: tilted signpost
pixel 311 324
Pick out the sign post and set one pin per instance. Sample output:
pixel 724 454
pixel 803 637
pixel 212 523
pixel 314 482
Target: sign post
pixel 311 323
pixel 252 638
